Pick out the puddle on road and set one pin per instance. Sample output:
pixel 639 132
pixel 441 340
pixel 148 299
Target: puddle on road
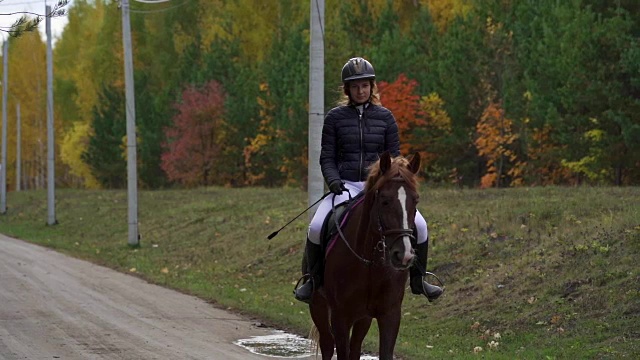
pixel 282 345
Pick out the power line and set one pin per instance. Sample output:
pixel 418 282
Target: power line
pixel 151 1
pixel 23 3
pixel 158 10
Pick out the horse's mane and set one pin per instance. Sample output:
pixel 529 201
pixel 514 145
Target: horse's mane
pixel 399 169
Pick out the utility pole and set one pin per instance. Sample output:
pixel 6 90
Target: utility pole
pixel 51 168
pixel 3 161
pixel 316 101
pixel 18 149
pixel 132 173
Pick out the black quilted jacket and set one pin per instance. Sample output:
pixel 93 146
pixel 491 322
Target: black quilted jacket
pixel 350 143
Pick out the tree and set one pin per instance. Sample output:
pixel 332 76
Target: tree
pixel 444 11
pixel 28 86
pixel 72 148
pixel 495 142
pixel 194 142
pixel 433 138
pixel 106 151
pixel 577 76
pixel 76 89
pixel 456 77
pixel 286 103
pixel 564 73
pixel 400 97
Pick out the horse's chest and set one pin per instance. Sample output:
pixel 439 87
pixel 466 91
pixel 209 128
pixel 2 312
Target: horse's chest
pixel 378 291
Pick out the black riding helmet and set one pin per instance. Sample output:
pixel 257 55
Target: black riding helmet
pixel 357 69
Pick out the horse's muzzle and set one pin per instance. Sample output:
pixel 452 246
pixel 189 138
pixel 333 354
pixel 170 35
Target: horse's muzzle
pixel 402 259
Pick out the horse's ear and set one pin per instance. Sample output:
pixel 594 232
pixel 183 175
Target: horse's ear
pixel 385 162
pixel 414 164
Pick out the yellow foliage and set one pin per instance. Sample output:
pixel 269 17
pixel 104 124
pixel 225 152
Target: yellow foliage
pixel 74 58
pixel 255 23
pixel 594 135
pixel 28 87
pixel 74 143
pixel 264 137
pixel 433 107
pixel 588 165
pixel 584 166
pixel 443 11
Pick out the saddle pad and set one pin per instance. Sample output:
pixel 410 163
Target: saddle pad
pixel 342 212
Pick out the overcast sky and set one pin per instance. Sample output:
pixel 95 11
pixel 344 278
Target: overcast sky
pixel 34 6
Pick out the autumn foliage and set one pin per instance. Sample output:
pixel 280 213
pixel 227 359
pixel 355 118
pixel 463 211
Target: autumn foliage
pixel 400 97
pixel 486 97
pixel 495 143
pixel 194 140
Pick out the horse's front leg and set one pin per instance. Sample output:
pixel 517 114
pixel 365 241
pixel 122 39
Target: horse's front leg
pixel 389 325
pixel 341 327
pixel 360 330
pixel 320 315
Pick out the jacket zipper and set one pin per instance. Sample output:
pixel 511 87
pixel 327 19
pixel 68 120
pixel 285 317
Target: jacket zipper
pixel 361 145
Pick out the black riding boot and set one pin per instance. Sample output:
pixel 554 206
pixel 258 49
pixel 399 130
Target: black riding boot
pixel 314 256
pixel 417 282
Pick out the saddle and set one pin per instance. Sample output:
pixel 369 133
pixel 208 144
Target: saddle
pixel 341 212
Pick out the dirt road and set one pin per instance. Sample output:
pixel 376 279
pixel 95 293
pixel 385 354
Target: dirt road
pixel 56 307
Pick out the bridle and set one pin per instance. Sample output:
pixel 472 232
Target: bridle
pixel 381 245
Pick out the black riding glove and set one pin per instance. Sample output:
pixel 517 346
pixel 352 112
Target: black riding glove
pixel 337 187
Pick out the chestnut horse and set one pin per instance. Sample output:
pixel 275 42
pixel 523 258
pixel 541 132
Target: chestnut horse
pixel 367 266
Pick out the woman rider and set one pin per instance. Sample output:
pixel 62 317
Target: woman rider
pixel 354 134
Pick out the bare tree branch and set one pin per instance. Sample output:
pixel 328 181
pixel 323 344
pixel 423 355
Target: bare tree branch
pixel 29 21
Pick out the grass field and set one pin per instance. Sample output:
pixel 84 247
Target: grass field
pixel 544 273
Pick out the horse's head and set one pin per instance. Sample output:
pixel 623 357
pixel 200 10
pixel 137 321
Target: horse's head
pixel 392 191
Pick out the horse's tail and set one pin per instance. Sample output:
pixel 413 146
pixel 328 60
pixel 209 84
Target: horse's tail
pixel 314 336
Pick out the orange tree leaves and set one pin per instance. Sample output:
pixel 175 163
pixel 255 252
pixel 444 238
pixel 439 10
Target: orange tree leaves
pixel 400 97
pixel 261 147
pixel 545 154
pixel 423 123
pixel 195 140
pixel 495 143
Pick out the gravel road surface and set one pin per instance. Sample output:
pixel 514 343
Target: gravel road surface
pixel 56 307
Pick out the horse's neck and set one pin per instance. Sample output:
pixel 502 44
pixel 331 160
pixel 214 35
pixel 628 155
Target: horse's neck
pixel 364 227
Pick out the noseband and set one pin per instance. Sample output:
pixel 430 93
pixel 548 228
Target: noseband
pixel 394 234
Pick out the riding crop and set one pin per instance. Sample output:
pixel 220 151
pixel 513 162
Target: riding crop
pixel 273 234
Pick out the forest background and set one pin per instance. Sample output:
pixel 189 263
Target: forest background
pixel 493 93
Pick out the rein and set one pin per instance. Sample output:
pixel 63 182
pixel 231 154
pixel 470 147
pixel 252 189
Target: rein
pixel 381 245
pixel 341 234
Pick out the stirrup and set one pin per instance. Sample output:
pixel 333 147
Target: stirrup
pixel 440 283
pixel 298 287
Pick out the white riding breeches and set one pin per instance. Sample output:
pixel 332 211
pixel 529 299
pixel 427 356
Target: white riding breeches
pixel 315 227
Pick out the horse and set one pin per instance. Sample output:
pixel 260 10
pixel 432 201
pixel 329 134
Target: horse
pixel 366 266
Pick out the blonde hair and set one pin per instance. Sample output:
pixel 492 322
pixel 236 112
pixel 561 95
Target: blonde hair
pixel 344 91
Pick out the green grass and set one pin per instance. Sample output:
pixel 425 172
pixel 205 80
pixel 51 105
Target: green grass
pixel 553 271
